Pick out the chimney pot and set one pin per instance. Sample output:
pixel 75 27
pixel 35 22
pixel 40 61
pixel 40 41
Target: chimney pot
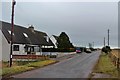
pixel 31 28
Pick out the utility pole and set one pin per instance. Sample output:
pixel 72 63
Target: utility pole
pixel 108 36
pixel 12 30
pixel 104 41
pixel 93 44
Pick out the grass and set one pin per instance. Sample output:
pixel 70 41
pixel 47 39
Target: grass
pixel 7 71
pixel 16 69
pixel 0 71
pixel 105 66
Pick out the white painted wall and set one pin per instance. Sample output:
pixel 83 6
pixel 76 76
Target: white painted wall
pixel 54 41
pixel 5 48
pixel 0 45
pixel 38 53
pixel 21 50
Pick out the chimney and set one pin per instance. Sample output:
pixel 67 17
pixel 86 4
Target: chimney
pixel 31 28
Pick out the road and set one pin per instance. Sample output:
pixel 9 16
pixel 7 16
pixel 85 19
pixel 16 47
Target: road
pixel 79 66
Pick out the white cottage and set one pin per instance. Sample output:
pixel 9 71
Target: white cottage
pixel 0 45
pixel 54 40
pixel 25 40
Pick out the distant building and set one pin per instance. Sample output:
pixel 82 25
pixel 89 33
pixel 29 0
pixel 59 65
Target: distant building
pixel 54 40
pixel 25 40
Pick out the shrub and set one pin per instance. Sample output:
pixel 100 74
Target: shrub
pixel 106 49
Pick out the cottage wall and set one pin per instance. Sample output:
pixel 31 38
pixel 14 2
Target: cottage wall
pixel 0 45
pixel 21 50
pixel 38 53
pixel 5 48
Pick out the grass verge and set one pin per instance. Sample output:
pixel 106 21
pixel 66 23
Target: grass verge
pixel 105 66
pixel 18 69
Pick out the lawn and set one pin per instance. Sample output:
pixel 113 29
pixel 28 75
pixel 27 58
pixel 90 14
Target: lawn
pixel 7 71
pixel 105 66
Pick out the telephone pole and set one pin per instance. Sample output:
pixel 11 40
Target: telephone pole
pixel 104 41
pixel 108 36
pixel 93 44
pixel 12 30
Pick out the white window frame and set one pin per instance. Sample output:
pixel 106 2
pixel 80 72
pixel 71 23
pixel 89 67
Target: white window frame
pixel 25 35
pixel 10 32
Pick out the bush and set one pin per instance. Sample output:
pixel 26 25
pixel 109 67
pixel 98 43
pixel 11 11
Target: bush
pixel 92 49
pixel 106 49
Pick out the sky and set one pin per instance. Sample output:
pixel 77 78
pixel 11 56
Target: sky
pixel 84 22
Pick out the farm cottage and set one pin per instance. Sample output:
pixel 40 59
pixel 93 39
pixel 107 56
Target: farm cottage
pixel 25 40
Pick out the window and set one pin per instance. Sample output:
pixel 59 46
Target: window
pixel 10 32
pixel 25 35
pixel 47 38
pixel 32 48
pixel 15 47
pixel 29 49
pixel 37 49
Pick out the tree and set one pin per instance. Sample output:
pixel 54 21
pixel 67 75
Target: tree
pixel 63 41
pixel 106 49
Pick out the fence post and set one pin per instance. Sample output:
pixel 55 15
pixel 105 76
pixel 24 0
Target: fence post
pixel 118 63
pixel 118 67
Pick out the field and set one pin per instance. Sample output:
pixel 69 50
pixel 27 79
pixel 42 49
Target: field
pixel 116 52
pixel 115 57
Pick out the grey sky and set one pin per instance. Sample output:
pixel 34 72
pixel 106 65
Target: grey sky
pixel 84 22
pixel 62 0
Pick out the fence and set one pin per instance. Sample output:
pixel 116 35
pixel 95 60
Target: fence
pixel 115 57
pixel 58 49
pixel 32 57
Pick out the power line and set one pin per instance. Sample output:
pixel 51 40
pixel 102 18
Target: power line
pixel 104 41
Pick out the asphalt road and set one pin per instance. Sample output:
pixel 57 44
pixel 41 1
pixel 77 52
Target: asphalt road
pixel 79 66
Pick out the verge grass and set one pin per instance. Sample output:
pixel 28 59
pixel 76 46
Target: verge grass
pixel 105 66
pixel 7 71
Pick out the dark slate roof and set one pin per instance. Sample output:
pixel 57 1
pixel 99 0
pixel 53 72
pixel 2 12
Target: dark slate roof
pixel 34 38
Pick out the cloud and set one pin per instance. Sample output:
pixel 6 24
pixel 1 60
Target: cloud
pixel 84 22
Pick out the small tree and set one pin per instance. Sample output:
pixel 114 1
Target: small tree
pixel 106 49
pixel 63 41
